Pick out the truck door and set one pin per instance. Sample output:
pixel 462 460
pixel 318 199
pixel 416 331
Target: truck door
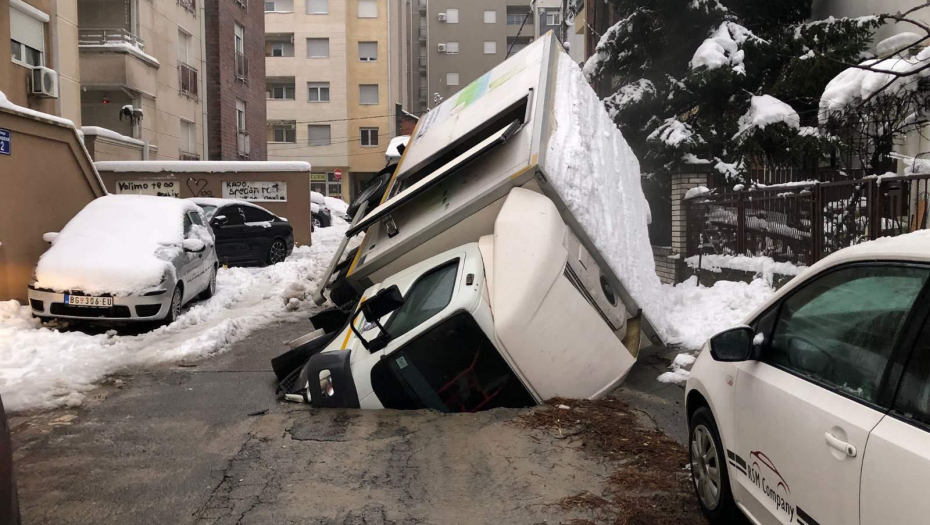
pixel 804 411
pixel 896 468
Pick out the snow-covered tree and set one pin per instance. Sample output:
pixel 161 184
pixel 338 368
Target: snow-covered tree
pixel 729 83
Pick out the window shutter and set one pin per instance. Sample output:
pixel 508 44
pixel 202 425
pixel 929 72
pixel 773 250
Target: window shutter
pixel 452 16
pixel 368 94
pixel 452 79
pixel 368 50
pixel 368 8
pixel 317 47
pixel 320 135
pixel 27 30
pixel 317 7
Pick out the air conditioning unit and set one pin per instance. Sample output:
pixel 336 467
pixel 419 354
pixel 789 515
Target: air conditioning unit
pixel 442 17
pixel 45 82
pixel 442 48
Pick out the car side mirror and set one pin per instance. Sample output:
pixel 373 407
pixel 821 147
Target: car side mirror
pixel 193 245
pixel 733 345
pixel 219 220
pixel 49 237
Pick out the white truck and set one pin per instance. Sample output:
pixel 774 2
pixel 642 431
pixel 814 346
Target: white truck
pixel 501 266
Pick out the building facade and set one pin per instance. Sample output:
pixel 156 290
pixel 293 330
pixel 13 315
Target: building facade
pixel 142 72
pixel 331 88
pixel 235 66
pixel 42 34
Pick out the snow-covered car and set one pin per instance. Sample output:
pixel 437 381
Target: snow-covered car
pixel 321 214
pixel 247 234
pixel 126 258
pixel 817 409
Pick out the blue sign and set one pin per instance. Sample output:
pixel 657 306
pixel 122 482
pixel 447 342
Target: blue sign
pixel 5 142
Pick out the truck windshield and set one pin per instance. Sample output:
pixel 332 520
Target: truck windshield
pixel 428 296
pixel 452 367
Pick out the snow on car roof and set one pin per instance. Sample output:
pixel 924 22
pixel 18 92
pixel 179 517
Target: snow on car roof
pixel 117 244
pixel 908 247
pixel 200 166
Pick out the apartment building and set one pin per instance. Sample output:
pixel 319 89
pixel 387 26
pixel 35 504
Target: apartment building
pixel 331 88
pixel 235 67
pixel 43 72
pixel 451 43
pixel 142 72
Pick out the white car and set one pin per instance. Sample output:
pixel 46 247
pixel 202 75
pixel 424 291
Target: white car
pixel 817 410
pixel 126 258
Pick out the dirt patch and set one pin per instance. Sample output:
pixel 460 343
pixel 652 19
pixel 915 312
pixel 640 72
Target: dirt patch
pixel 651 483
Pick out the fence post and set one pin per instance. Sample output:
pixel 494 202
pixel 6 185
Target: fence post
pixel 874 209
pixel 740 224
pixel 816 224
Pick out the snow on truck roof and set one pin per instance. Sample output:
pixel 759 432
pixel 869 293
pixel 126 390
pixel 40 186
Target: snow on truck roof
pixel 200 166
pixel 113 245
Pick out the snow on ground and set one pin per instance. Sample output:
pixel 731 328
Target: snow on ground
pixel 764 266
pixel 41 366
pixel 679 373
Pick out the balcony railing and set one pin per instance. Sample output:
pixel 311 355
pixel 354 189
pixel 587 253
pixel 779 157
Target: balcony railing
pixel 108 37
pixel 190 5
pixel 422 5
pixel 243 144
pixel 185 155
pixel 242 67
pixel 187 81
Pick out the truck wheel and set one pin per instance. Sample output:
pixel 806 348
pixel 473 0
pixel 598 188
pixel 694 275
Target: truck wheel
pixel 709 473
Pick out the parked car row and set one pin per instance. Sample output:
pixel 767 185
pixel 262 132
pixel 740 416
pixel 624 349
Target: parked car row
pixel 139 258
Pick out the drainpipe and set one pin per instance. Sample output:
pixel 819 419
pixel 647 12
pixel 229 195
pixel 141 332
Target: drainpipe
pixel 203 80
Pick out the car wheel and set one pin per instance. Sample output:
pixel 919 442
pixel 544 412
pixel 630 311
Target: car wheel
pixel 174 307
pixel 317 223
pixel 211 287
pixel 709 470
pixel 277 252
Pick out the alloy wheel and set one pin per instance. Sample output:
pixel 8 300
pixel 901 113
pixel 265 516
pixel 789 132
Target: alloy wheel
pixel 176 305
pixel 705 467
pixel 278 252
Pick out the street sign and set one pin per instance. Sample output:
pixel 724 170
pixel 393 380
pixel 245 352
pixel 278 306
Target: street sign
pixel 337 174
pixel 5 142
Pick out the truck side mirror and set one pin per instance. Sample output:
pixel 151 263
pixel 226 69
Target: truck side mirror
pixel 732 345
pixel 383 303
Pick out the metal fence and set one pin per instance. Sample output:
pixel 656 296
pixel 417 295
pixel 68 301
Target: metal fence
pixel 804 222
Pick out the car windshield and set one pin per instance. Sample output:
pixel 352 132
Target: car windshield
pixel 208 210
pixel 426 298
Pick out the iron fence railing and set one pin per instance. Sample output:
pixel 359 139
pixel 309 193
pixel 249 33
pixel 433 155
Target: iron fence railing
pixel 802 223
pixel 108 37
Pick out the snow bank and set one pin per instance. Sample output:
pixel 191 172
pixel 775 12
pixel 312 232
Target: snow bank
pixel 44 367
pixel 200 166
pixel 763 266
pixel 598 177
pixel 694 313
pixel 722 49
pixel 765 110
pixel 337 205
pixel 117 244
pixel 110 134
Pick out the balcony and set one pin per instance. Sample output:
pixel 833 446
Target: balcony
pixel 114 58
pixel 187 81
pixel 189 156
pixel 421 4
pixel 243 144
pixel 242 67
pixel 189 5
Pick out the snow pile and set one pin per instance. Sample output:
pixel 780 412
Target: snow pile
pixel 673 133
pixel 696 191
pixel 200 166
pixel 31 113
pixel 765 110
pixel 694 313
pixel 855 85
pixel 117 244
pixel 678 374
pixel 337 205
pixel 110 134
pixel 895 43
pixel 762 266
pixel 607 200
pixel 44 367
pixel 723 49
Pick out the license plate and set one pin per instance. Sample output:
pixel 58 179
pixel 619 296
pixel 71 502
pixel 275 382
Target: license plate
pixel 88 300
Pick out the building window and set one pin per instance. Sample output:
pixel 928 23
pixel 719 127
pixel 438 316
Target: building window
pixel 240 115
pixel 184 46
pixel 452 16
pixel 317 91
pixel 188 138
pixel 553 18
pixel 369 136
pixel 317 48
pixel 319 135
pixel 490 17
pixel 326 183
pixel 452 79
pixel 517 14
pixel 279 6
pixel 279 49
pixel 239 33
pixel 284 132
pixel 27 38
pixel 367 51
pixel 368 94
pixel 368 8
pixel 278 89
pixel 490 47
pixel 242 63
pixel 452 48
pixel 317 7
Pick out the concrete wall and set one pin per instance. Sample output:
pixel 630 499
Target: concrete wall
pixel 296 209
pixel 47 179
pixel 107 149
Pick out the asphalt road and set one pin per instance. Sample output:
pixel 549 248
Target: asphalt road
pixel 207 443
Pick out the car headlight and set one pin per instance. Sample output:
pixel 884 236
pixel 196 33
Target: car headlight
pixel 326 383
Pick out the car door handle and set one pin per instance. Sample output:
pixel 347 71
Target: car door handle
pixel 842 446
